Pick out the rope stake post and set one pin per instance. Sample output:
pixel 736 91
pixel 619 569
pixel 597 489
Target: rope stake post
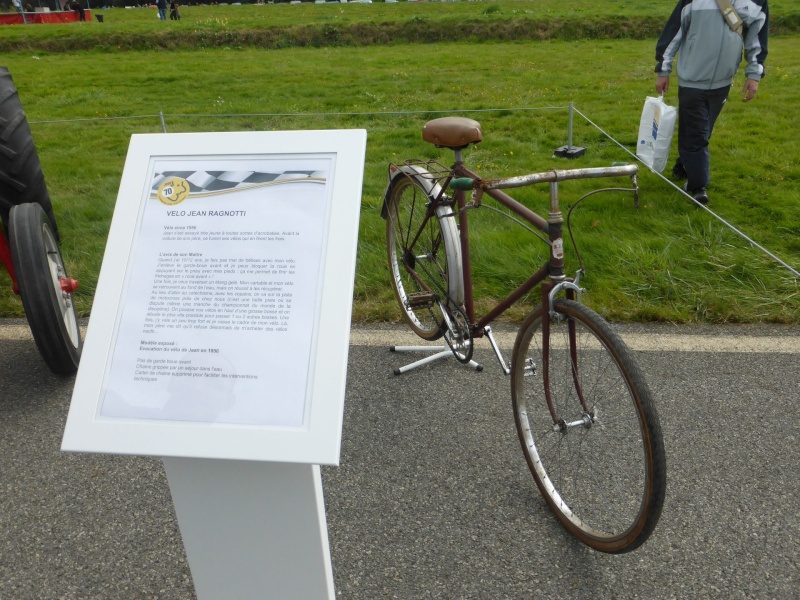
pixel 570 151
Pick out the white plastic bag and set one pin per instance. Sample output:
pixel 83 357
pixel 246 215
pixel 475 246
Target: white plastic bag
pixel 655 133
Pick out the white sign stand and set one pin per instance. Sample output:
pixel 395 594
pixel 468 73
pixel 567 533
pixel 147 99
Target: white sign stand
pixel 219 340
pixel 252 530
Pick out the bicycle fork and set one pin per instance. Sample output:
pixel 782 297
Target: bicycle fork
pixel 557 283
pixel 549 315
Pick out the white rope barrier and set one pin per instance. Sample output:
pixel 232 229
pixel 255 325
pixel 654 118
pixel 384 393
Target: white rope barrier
pixel 161 117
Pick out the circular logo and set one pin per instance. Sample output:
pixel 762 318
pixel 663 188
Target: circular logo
pixel 173 191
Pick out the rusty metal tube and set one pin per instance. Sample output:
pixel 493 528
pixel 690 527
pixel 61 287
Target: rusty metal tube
pixel 557 175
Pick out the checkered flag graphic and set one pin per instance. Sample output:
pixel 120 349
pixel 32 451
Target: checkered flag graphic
pixel 209 183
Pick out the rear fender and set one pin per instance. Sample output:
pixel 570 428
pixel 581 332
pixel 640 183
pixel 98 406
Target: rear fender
pixel 422 177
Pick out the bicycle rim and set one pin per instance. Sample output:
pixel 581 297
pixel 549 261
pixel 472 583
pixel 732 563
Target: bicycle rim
pixel 421 265
pixel 600 466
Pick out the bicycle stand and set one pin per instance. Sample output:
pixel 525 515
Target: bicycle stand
pixel 441 352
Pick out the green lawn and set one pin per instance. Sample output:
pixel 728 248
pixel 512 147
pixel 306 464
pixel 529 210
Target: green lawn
pixel 316 25
pixel 665 261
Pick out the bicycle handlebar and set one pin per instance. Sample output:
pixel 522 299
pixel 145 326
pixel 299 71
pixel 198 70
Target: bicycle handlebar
pixel 464 183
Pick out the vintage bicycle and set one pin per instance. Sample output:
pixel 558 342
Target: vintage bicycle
pixel 583 411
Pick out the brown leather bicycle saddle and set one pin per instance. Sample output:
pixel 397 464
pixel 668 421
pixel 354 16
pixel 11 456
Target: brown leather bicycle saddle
pixel 452 132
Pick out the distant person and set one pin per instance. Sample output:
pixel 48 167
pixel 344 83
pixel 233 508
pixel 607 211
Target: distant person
pixel 162 9
pixel 709 51
pixel 174 11
pixel 78 9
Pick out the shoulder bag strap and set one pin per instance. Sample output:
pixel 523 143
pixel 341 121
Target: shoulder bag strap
pixel 732 18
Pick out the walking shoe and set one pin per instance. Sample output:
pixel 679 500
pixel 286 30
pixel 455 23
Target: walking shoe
pixel 701 195
pixel 678 170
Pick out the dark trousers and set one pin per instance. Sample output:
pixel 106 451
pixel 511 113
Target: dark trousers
pixel 697 112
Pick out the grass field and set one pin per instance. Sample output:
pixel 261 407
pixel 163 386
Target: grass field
pixel 665 261
pixel 317 25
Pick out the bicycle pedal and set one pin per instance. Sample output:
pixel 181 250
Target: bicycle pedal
pixel 530 368
pixel 421 299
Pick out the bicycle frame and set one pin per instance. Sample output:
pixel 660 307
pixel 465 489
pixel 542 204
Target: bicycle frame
pixel 463 179
pixel 552 227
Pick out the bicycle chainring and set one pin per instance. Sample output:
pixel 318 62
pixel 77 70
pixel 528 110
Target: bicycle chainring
pixel 458 334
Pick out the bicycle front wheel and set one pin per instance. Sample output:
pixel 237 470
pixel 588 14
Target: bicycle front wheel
pixel 595 448
pixel 424 255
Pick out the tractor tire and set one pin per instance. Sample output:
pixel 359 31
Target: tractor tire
pixel 21 177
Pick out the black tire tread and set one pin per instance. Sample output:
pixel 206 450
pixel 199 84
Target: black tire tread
pixel 28 251
pixel 21 177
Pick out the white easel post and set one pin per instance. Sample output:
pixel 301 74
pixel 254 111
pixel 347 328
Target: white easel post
pixel 252 530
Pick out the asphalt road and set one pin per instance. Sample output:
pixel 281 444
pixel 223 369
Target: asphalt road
pixel 433 498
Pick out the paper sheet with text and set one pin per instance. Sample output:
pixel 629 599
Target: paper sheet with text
pixel 222 293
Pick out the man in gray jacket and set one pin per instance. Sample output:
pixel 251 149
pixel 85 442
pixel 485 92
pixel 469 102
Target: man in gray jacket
pixel 709 53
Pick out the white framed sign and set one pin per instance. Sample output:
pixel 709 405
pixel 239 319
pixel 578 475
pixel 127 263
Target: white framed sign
pixel 220 324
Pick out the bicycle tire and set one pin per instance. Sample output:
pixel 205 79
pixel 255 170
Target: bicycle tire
pixel 603 477
pixel 428 274
pixel 39 270
pixel 21 177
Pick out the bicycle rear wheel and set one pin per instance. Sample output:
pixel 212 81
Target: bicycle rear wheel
pixel 600 463
pixel 423 251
